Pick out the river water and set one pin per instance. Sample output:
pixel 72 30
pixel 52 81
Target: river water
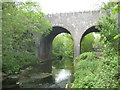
pixel 61 74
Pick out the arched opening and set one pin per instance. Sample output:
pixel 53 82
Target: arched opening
pixel 57 30
pixel 63 46
pixel 88 39
pixel 45 48
pixel 45 52
pixel 63 41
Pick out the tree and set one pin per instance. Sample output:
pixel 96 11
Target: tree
pixel 63 46
pixel 19 22
pixel 17 31
pixel 87 43
pixel 109 27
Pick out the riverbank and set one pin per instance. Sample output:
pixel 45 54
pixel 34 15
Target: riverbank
pixel 37 76
pixel 94 72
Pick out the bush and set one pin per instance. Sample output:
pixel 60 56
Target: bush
pixel 101 73
pixel 86 56
pixel 13 61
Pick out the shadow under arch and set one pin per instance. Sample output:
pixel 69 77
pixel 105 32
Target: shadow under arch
pixel 45 47
pixel 89 30
pixel 57 30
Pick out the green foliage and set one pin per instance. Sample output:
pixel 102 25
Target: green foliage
pixel 63 46
pixel 85 70
pixel 87 43
pixel 109 27
pixel 13 61
pixel 97 42
pixel 116 9
pixel 117 36
pixel 20 21
pixel 87 56
pixel 98 73
pixel 17 31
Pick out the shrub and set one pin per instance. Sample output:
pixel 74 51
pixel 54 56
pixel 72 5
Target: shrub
pixel 13 61
pixel 86 56
pixel 101 73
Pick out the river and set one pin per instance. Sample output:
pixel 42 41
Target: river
pixel 61 74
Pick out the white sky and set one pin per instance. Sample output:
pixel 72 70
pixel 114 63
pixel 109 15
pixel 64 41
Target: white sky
pixel 61 6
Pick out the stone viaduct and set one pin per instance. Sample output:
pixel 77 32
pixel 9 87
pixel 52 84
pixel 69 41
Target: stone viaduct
pixel 78 24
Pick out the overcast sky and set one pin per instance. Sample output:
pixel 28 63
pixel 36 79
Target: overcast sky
pixel 61 6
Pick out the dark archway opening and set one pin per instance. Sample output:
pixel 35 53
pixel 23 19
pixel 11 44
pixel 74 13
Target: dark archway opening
pixel 45 48
pixel 55 31
pixel 89 30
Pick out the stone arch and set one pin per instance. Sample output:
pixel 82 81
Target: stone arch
pixel 57 30
pixel 45 47
pixel 89 30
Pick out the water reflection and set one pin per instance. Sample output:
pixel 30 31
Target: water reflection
pixel 63 72
pixel 38 76
pixel 62 75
